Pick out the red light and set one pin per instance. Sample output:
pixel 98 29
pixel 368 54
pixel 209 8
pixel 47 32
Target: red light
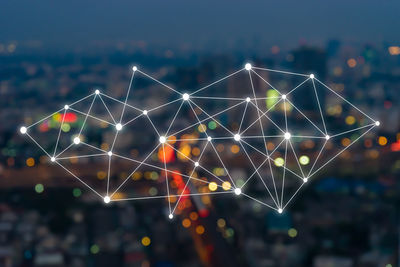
pixel 203 213
pixel 44 127
pixel 395 146
pixel 169 154
pixel 180 184
pixel 68 118
pixel 387 104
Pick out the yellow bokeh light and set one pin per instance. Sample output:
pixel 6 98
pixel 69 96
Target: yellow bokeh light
pixel 101 175
pixel 30 162
pixel 212 186
pixel 105 146
pixel 172 139
pixel 350 120
pixel 202 128
pixel 235 149
pixel 226 185
pixel 196 151
pixel 185 151
pixel 206 200
pixel 292 232
pixel 382 140
pixel 137 175
pixel 221 223
pixel 200 229
pixel 279 162
pixel 146 241
pixel 186 223
pixel 346 141
pixel 193 216
pixel 304 160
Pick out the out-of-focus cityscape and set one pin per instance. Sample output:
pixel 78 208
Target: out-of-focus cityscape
pixel 348 216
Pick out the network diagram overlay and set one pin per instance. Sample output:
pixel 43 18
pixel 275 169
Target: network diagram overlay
pixel 256 133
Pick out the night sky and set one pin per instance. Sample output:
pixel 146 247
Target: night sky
pixel 174 22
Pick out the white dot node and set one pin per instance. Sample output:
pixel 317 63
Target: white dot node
pixel 283 96
pixel 163 139
pixel 66 107
pixel 107 199
pixel 185 96
pixel 209 138
pixel 377 123
pixel 238 191
pixel 280 210
pixel 312 76
pixel 247 66
pixel 236 137
pixel 196 164
pixel 327 137
pixel 77 140
pixel 109 153
pixel 118 126
pixel 248 99
pixel 23 130
pixel 145 112
pixel 305 180
pixel 134 68
pixel 287 136
pixel 53 159
pixel 171 216
pixel 97 92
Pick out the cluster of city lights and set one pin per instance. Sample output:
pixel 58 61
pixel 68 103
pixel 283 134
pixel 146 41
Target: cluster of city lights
pixel 239 137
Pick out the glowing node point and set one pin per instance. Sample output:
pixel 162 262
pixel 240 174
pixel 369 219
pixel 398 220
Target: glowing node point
pixel 247 66
pixel 283 96
pixel 66 107
pixel 23 130
pixel 162 139
pixel 145 112
pixel 287 136
pixel 134 68
pixel 185 96
pixel 196 164
pixel 53 159
pixel 118 126
pixel 280 210
pixel 377 123
pixel 171 216
pixel 248 99
pixel 77 140
pixel 238 191
pixel 236 137
pixel 97 92
pixel 327 137
pixel 209 138
pixel 109 153
pixel 305 180
pixel 312 76
pixel 107 199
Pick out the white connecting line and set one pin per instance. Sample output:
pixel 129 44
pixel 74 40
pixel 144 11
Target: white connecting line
pixel 246 122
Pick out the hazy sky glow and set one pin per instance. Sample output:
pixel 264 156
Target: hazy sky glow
pixel 172 22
